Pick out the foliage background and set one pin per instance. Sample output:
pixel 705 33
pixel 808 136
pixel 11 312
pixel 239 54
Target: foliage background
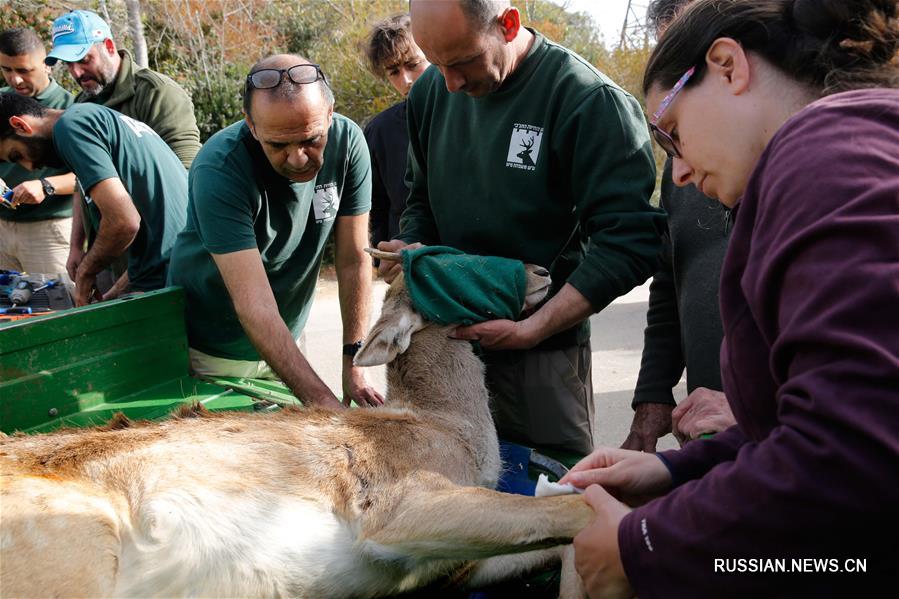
pixel 209 45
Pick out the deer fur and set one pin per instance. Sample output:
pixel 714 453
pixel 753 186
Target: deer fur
pixel 301 503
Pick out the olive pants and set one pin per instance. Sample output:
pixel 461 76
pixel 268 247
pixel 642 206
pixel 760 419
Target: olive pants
pixel 543 398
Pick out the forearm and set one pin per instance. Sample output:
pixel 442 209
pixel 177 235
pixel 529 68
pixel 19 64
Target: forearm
pixel 612 191
pixel 354 293
pixel 354 275
pixel 379 220
pixel 112 240
pixel 64 184
pixel 565 310
pixel 274 342
pixel 78 238
pixel 119 287
pixel 186 147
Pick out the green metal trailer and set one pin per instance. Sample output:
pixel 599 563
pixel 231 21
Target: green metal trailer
pixel 78 367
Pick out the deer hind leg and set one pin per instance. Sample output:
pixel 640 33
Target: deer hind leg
pixel 58 540
pixel 432 519
pixel 571 586
pixel 501 568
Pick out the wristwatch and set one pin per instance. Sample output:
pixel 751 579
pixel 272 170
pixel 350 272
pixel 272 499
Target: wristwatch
pixel 350 349
pixel 49 190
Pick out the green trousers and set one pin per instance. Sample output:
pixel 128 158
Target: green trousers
pixel 543 398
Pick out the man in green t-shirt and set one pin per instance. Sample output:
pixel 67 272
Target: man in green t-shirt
pixel 34 237
pixel 521 148
pixel 134 186
pixel 265 194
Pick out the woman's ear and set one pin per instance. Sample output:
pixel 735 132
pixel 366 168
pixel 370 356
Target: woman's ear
pixel 727 61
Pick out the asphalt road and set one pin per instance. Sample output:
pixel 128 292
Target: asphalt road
pixel 617 342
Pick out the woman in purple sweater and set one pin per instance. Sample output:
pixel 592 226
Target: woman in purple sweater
pixel 786 111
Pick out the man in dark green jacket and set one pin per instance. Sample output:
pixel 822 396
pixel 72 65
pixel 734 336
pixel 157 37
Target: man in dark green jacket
pixel 544 159
pixel 34 235
pixel 110 77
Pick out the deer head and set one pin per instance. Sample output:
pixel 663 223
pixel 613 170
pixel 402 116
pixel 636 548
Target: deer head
pixel 526 153
pixel 392 333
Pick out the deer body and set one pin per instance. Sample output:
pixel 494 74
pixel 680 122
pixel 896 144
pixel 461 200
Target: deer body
pixel 304 503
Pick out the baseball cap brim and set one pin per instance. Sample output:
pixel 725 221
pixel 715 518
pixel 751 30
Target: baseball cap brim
pixel 67 53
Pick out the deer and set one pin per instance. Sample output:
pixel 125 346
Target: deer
pixel 525 154
pixel 304 502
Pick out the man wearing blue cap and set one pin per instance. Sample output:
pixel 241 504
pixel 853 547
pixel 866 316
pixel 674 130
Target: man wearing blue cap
pixel 110 77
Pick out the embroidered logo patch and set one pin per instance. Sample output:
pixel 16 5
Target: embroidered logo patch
pixel 62 29
pixel 524 146
pixel 325 201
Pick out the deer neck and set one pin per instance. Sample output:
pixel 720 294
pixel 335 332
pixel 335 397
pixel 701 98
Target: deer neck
pixel 441 378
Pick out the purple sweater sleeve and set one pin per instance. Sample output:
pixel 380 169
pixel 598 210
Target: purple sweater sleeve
pixel 698 457
pixel 810 303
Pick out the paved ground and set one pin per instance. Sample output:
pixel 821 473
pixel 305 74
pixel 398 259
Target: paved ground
pixel 617 343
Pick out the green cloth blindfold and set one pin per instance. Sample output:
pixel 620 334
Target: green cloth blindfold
pixel 448 286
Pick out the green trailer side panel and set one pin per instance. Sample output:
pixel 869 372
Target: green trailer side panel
pixel 78 367
pixel 152 404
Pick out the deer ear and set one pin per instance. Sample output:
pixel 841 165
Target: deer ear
pixel 389 337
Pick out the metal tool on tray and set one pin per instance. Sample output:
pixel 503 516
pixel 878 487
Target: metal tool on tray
pixel 24 290
pixel 21 293
pixel 47 285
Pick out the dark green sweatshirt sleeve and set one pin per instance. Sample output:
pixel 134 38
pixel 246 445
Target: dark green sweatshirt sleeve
pixel 168 110
pixel 662 363
pixel 417 222
pixel 606 141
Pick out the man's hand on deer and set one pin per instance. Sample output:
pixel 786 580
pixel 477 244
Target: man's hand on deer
pixel 389 269
pixel 704 411
pixel 596 553
pixel 499 334
pixel 356 388
pixel 632 476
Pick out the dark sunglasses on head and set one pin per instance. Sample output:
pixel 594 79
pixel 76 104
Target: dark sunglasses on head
pixel 299 73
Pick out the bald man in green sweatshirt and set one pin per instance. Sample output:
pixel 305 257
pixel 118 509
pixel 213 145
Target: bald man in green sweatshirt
pixel 520 148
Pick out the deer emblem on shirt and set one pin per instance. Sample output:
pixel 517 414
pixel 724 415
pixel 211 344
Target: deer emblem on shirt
pixel 525 155
pixel 329 207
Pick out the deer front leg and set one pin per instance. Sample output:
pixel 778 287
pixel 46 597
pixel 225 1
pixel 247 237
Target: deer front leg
pixel 434 519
